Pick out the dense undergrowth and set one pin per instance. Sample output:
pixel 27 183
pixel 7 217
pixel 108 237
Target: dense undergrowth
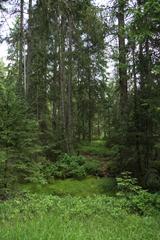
pixel 131 213
pixel 74 166
pixel 84 207
pixel 98 217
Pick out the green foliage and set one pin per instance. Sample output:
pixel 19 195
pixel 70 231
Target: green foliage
pixel 74 166
pixel 50 217
pixel 85 187
pixel 94 148
pixel 20 148
pixel 127 184
pixel 134 198
pixel 69 166
pixel 92 167
pixel 69 94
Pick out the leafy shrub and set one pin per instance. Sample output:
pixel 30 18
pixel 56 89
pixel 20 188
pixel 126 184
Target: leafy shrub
pixel 70 166
pixel 134 198
pixel 74 166
pixel 51 217
pixel 31 205
pixel 92 167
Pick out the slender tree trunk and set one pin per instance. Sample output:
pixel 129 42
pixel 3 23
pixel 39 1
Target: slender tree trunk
pixel 122 81
pixel 62 84
pixel 55 94
pixel 29 50
pixel 89 111
pixel 122 60
pixel 149 123
pixel 21 48
pixel 136 115
pixel 69 92
pixel 145 119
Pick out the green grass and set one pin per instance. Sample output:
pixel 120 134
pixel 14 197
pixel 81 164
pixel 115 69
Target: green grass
pixel 85 187
pixel 72 218
pixel 93 228
pixel 95 148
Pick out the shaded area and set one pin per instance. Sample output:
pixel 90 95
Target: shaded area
pixel 86 187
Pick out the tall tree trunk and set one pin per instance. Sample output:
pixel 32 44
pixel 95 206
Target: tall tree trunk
pixel 122 81
pixel 69 92
pixel 62 83
pixel 145 118
pixel 89 108
pixel 138 166
pixel 122 60
pixel 149 123
pixel 29 50
pixel 21 48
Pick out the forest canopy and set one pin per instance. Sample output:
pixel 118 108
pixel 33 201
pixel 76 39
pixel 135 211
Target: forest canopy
pixel 77 73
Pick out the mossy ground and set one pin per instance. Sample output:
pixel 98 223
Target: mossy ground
pixel 85 187
pixel 96 147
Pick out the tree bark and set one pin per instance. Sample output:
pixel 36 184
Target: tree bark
pixel 62 83
pixel 122 61
pixel 123 101
pixel 21 48
pixel 69 91
pixel 29 49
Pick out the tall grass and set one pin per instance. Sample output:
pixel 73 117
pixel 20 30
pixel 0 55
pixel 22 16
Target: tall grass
pixel 95 227
pixel 39 217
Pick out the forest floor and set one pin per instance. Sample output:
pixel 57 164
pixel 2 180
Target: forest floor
pixel 88 186
pixel 77 216
pixel 78 220
pixel 71 209
pixel 96 150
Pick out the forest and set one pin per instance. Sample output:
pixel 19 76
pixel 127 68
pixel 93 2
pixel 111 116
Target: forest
pixel 80 119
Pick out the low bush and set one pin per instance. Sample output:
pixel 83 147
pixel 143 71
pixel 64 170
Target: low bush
pixel 32 205
pixel 74 166
pixel 36 216
pixel 134 198
pixel 92 167
pixel 78 219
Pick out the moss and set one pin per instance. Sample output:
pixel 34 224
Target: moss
pixel 85 187
pixel 95 147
